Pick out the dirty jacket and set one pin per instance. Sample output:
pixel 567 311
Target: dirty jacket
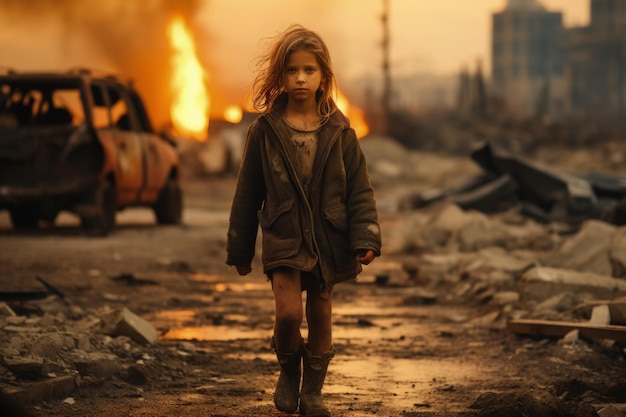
pixel 329 223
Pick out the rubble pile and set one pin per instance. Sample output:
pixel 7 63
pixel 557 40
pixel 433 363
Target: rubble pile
pixel 561 263
pixel 53 346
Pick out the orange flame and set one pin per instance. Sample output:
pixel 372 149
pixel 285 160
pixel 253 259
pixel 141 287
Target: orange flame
pixel 233 114
pixel 355 114
pixel 190 103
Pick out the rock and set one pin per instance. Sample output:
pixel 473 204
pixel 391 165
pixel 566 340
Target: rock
pixel 123 322
pixel 587 251
pixel 503 298
pixel 96 364
pixel 612 410
pixel 600 315
pixel 541 283
pixel 6 311
pixel 560 302
pixel 617 253
pixel 27 367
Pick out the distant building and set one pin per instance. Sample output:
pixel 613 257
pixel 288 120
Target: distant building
pixel 596 64
pixel 528 58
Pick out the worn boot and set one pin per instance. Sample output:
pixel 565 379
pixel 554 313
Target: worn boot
pixel 311 402
pixel 288 386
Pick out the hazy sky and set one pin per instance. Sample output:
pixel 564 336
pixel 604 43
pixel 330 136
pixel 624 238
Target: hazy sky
pixel 128 36
pixel 438 36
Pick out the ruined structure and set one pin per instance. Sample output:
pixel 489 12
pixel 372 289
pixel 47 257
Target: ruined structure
pixel 596 64
pixel 528 57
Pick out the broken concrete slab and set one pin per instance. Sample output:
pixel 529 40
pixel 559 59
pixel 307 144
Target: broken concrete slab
pixel 617 309
pixel 494 196
pixel 495 264
pixel 617 253
pixel 559 329
pixel 561 302
pixel 46 390
pixel 587 251
pixel 439 266
pixel 562 195
pixel 123 322
pixel 5 310
pixel 600 315
pixel 96 364
pixel 541 283
pixel 612 410
pixel 28 367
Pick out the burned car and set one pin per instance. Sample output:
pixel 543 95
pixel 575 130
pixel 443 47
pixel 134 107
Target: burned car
pixel 73 141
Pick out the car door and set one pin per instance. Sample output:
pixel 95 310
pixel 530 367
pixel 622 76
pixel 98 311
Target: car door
pixel 158 154
pixel 126 144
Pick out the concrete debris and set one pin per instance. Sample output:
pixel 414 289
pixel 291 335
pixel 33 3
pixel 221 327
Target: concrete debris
pixel 541 283
pixel 617 253
pixel 123 322
pixel 612 410
pixel 600 315
pixel 587 251
pixel 5 310
pixel 46 357
pixel 616 309
pixel 536 191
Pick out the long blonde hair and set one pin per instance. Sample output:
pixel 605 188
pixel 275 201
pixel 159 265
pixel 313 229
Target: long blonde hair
pixel 268 84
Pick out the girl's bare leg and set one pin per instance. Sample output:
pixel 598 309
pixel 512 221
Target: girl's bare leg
pixel 288 301
pixel 319 319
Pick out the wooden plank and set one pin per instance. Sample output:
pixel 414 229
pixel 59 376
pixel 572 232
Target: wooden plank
pixel 559 329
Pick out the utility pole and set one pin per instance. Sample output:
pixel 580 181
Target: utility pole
pixel 386 96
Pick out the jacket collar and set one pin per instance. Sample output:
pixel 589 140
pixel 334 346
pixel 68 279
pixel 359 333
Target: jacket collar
pixel 328 133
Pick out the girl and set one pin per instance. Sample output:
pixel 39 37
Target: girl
pixel 304 179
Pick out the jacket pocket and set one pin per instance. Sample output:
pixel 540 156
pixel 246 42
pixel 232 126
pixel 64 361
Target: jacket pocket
pixel 339 237
pixel 278 225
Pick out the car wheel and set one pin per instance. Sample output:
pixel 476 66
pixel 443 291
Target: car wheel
pixel 25 216
pixel 102 221
pixel 169 207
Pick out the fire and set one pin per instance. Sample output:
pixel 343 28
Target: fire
pixel 233 114
pixel 355 114
pixel 190 103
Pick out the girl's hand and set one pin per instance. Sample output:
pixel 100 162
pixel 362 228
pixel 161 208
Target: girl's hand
pixel 244 269
pixel 366 258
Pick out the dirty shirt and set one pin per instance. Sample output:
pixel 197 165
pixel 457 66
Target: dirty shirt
pixel 305 147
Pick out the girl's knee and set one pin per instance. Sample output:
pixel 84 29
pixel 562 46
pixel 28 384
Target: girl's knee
pixel 291 317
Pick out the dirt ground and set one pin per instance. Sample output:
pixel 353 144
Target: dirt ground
pixel 397 353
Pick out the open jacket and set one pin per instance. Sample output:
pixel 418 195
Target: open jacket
pixel 328 223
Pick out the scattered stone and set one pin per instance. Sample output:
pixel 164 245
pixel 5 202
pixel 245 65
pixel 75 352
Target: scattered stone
pixel 617 253
pixel 587 251
pixel 96 364
pixel 125 323
pixel 541 283
pixel 487 320
pixel 135 374
pixel 27 367
pixel 6 311
pixel 503 298
pixel 571 337
pixel 600 315
pixel 612 410
pixel 562 302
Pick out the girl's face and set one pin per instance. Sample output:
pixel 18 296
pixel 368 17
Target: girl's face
pixel 303 76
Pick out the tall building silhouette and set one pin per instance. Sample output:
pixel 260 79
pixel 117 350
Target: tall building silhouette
pixel 596 64
pixel 528 58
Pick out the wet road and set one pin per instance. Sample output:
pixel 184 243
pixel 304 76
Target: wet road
pixel 393 357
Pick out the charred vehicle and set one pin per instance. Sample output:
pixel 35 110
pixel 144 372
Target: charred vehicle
pixel 81 143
